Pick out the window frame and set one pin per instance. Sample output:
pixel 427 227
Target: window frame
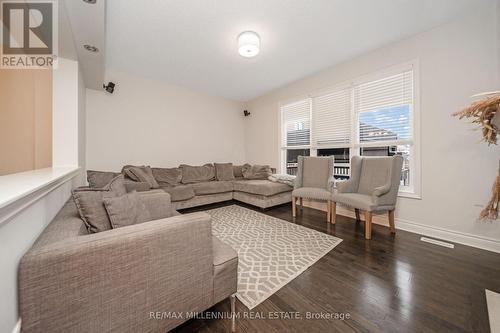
pixel 415 188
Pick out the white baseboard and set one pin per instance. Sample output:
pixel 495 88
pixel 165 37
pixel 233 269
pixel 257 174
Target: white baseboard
pixel 17 328
pixel 480 242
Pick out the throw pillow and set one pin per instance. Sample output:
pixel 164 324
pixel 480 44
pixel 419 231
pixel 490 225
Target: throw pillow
pixel 126 210
pixel 256 171
pixel 90 205
pixel 238 171
pixel 167 176
pixel 141 174
pixel 197 174
pixel 224 171
pixel 99 179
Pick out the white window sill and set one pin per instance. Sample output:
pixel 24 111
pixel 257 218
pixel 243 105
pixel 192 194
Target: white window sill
pixel 19 190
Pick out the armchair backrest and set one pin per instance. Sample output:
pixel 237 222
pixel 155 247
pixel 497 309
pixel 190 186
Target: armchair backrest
pixel 368 173
pixel 314 171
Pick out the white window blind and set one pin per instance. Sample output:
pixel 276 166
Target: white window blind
pixel 296 123
pixel 332 118
pixel 384 107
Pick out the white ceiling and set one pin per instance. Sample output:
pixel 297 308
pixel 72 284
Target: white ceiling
pixel 192 43
pixel 87 25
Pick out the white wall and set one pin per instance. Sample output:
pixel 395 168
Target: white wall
pixel 498 39
pixel 456 61
pixel 65 113
pixel 16 237
pixel 82 126
pixel 147 122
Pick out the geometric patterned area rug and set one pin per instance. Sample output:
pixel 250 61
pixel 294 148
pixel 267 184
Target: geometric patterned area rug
pixel 271 252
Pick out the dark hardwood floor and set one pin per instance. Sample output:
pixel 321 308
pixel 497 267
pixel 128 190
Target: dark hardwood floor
pixel 392 283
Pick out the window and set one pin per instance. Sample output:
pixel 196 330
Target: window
pixel 296 133
pixel 373 116
pixel 291 159
pixel 383 111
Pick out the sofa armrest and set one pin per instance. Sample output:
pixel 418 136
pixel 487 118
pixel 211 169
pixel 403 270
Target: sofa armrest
pixel 131 185
pixel 158 203
pixel 114 280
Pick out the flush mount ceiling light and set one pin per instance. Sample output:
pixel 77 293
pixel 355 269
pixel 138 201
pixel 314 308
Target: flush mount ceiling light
pixel 248 44
pixel 90 1
pixel 90 48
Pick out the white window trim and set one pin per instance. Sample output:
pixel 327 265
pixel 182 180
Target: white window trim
pixel 415 191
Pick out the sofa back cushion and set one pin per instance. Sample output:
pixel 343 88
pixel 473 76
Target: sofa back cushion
pixel 167 176
pixel 238 171
pixel 140 174
pixel 126 210
pixel 99 179
pixel 90 204
pixel 256 171
pixel 196 174
pixel 224 171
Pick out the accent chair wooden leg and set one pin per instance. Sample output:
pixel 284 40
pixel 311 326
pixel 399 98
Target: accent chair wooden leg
pixel 391 221
pixel 368 225
pixel 333 217
pixel 358 218
pixel 233 312
pixel 328 211
pixel 294 206
pixel 301 203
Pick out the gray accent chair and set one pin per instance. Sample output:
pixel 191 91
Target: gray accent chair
pixel 373 186
pixel 314 181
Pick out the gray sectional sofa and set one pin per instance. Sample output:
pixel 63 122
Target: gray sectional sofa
pixel 191 186
pixel 86 273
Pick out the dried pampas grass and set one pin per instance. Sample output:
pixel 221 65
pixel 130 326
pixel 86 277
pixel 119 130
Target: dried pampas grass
pixel 484 112
pixel 491 210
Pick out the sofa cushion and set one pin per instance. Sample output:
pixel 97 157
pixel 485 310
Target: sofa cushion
pixel 260 187
pixel 225 263
pixel 141 174
pixel 212 187
pixel 238 171
pixel 256 171
pixel 90 205
pixel 196 174
pixel 126 210
pixel 224 171
pixel 132 185
pixel 99 179
pixel 179 193
pixel 167 176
